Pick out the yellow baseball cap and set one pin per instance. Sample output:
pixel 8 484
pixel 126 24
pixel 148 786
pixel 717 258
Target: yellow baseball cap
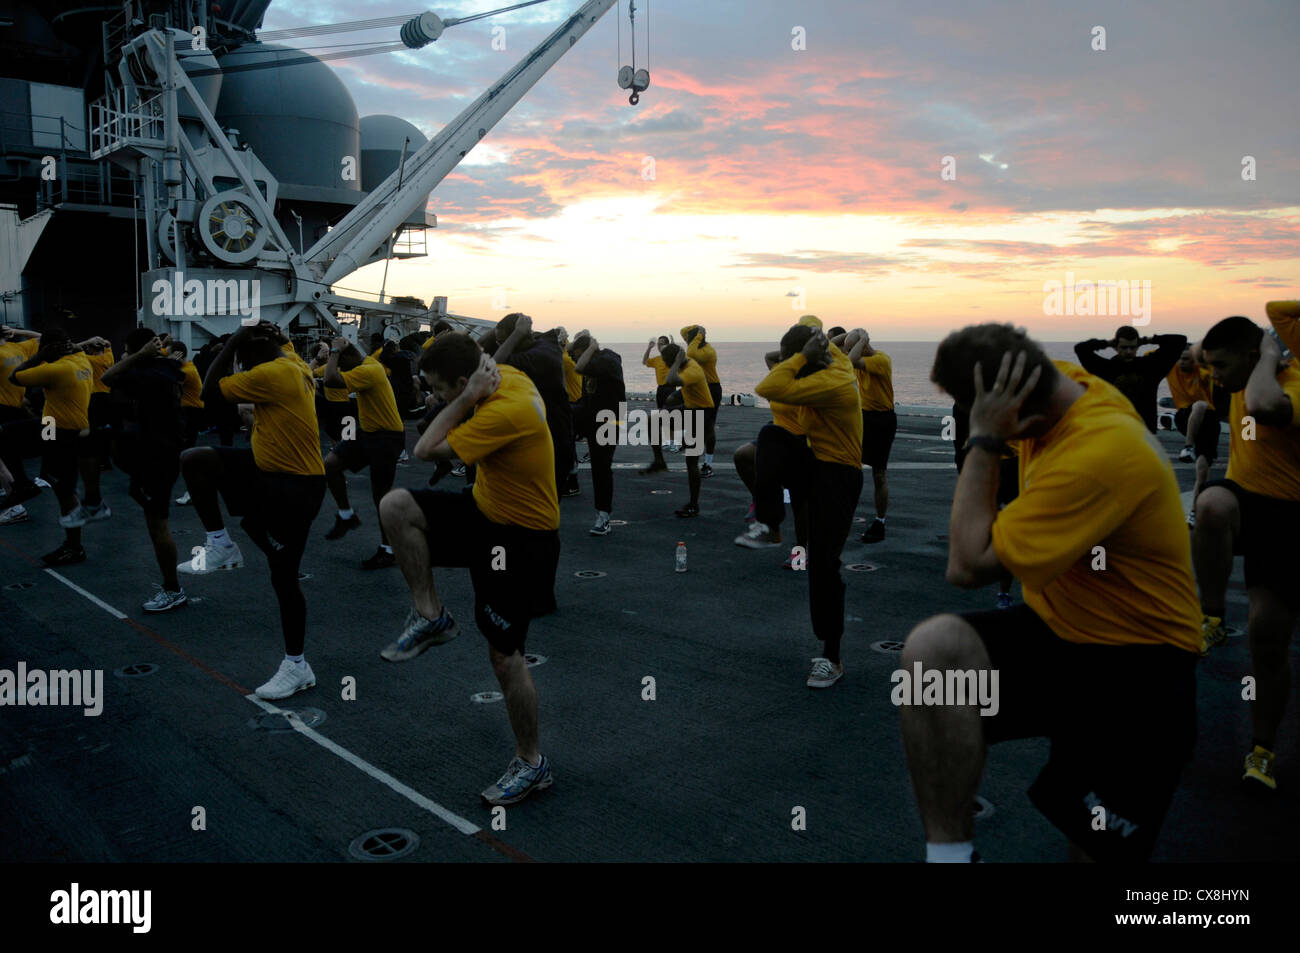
pixel 811 321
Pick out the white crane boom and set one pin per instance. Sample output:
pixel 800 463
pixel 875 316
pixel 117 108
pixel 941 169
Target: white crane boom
pixel 353 242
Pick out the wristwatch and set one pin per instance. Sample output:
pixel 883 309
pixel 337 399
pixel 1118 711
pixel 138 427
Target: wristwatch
pixel 991 444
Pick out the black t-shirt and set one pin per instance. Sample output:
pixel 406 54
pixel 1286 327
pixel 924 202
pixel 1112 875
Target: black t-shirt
pixel 401 368
pixel 602 381
pixel 148 396
pixel 1136 379
pixel 544 365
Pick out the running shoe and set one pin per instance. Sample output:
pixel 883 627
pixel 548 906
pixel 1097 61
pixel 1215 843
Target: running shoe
pixel 1191 519
pixel 706 470
pixel 688 511
pixel 14 514
pixel 290 679
pixel 211 558
pixel 571 487
pixel 404 457
pixel 654 468
pixel 673 447
pixel 163 600
pixel 1005 601
pixel 758 536
pixel 875 532
pixel 341 526
pixel 183 500
pixel 1259 768
pixel 824 674
pixel 42 483
pixel 21 494
pixel 96 513
pixel 75 519
pixel 382 559
pixel 1186 455
pixel 1213 633
pixel 458 470
pixel 520 780
pixel 601 528
pixel 419 633
pixel 65 555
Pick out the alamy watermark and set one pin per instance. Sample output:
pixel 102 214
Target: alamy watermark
pixel 1113 298
pixel 75 906
pixel 80 688
pixel 649 428
pixel 937 686
pixel 210 296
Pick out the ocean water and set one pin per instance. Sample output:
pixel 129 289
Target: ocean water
pixel 741 367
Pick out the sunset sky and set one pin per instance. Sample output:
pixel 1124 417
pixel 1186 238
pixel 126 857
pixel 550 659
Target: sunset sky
pixel 779 170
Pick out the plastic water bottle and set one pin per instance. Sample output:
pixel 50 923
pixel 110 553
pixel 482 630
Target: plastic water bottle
pixel 681 557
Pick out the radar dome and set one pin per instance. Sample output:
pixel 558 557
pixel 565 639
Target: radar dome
pixel 382 138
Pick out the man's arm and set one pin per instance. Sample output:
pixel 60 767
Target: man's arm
pixel 1285 318
pixel 9 332
pixel 1169 348
pixel 674 378
pixel 333 377
pixel 221 366
pixel 856 352
pixel 433 444
pixel 645 358
pixel 1086 352
pixel 45 355
pixel 587 355
pixel 783 384
pixel 523 328
pixel 151 349
pixel 1264 398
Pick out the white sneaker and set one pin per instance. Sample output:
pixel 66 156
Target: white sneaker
pixel 74 519
pixel 758 536
pixel 290 679
pixel 211 558
pixel 824 674
pixel 96 513
pixel 183 500
pixel 1185 455
pixel 163 600
pixel 15 514
pixel 602 524
pixel 42 483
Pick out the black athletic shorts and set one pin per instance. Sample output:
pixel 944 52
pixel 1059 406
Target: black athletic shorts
pixel 153 468
pixel 461 536
pixel 878 429
pixel 1269 528
pixel 277 508
pixel 661 394
pixel 103 415
pixel 377 449
pixel 59 458
pixel 1205 440
pixel 1121 721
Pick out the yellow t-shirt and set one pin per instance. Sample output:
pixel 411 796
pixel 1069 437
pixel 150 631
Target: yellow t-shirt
pixel 98 364
pixel 705 356
pixel 1270 464
pixel 1099 479
pixel 876 382
pixel 1187 387
pixel 509 440
pixel 336 394
pixel 661 369
pixel 193 386
pixel 695 387
pixel 830 413
pixel 786 416
pixel 1285 317
pixel 67 384
pixel 572 379
pixel 13 354
pixel 285 436
pixel 376 405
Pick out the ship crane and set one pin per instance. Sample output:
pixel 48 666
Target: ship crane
pixel 236 223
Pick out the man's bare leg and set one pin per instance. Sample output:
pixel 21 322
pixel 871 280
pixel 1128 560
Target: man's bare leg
pixel 521 701
pixel 1218 521
pixel 1271 625
pixel 407 532
pixel 201 467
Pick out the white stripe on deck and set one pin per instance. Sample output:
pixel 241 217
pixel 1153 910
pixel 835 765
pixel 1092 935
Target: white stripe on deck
pixel 383 777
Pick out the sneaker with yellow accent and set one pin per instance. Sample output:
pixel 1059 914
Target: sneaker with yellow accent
pixel 1213 633
pixel 1259 768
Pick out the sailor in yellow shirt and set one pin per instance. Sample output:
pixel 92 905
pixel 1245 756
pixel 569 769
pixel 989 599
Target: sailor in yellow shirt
pixel 63 371
pixel 333 404
pixel 191 402
pixel 99 352
pixel 828 477
pixel 875 377
pixel 16 346
pixel 1192 388
pixel 696 401
pixel 1285 318
pixel 506 531
pixel 375 440
pixel 19 430
pixel 701 352
pixel 276 486
pixel 1101 657
pixel 663 390
pixel 789 438
pixel 1255 511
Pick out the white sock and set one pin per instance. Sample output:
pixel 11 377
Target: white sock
pixel 708 459
pixel 219 538
pixel 386 548
pixel 345 514
pixel 949 853
pixel 296 659
pixel 880 519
